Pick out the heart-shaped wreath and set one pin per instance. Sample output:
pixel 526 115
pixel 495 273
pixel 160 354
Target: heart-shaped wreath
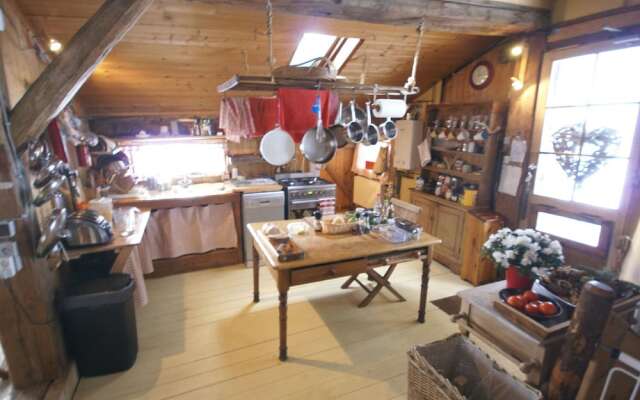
pixel 568 141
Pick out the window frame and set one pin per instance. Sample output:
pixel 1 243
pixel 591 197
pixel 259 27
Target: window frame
pixel 611 220
pixel 333 50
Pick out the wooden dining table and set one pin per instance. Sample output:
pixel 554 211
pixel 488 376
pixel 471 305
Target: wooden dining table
pixel 333 256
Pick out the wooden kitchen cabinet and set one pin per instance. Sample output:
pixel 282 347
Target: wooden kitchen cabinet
pixel 480 224
pixel 445 220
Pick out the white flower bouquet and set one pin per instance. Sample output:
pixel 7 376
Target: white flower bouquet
pixel 525 249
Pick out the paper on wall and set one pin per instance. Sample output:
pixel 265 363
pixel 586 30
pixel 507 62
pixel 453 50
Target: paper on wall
pixel 518 150
pixel 509 179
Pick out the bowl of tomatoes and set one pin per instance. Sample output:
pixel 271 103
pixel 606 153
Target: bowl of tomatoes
pixel 536 306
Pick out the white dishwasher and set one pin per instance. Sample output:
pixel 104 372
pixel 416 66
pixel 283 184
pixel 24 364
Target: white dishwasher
pixel 259 207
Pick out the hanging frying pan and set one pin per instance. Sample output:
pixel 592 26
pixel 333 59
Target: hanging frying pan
pixel 339 129
pixel 277 147
pixel 318 144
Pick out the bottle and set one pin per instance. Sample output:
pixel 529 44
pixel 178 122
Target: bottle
pixel 317 220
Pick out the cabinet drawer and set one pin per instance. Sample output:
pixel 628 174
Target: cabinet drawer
pixel 324 272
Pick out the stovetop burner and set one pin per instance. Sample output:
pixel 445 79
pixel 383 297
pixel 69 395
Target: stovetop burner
pixel 303 181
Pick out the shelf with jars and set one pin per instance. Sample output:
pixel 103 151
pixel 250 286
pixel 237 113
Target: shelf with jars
pixel 465 141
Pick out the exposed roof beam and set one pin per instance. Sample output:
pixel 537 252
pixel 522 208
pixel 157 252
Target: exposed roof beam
pixel 61 80
pixel 483 17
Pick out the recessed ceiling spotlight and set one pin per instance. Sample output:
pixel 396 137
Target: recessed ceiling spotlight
pixel 55 46
pixel 516 51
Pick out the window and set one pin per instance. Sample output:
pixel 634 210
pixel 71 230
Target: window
pixel 589 125
pixel 589 107
pixel 315 45
pixel 167 161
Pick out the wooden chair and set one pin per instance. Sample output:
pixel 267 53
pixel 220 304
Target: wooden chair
pixel 402 210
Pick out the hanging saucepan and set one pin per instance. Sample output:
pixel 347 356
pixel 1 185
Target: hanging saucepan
pixel 339 130
pixel 355 130
pixel 54 232
pixel 49 190
pixel 39 154
pixel 389 129
pixel 318 144
pixel 371 134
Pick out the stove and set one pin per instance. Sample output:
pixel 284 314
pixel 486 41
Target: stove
pixel 306 193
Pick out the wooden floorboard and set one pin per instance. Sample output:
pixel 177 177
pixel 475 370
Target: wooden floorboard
pixel 201 337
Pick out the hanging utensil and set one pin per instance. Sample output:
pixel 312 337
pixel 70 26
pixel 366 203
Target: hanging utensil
pixel 389 129
pixel 355 130
pixel 339 129
pixel 372 134
pixel 46 174
pixel 48 191
pixel 318 144
pixel 39 154
pixel 54 232
pixel 277 146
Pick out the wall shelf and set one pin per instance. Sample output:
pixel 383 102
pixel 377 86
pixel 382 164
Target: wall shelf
pixel 468 177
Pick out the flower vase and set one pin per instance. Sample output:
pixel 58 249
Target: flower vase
pixel 516 280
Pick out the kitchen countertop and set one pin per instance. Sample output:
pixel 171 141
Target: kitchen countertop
pixel 201 193
pixel 119 242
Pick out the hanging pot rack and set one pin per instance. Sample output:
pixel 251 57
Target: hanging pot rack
pixel 272 83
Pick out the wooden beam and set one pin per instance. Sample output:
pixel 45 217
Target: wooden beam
pixel 484 17
pixel 62 79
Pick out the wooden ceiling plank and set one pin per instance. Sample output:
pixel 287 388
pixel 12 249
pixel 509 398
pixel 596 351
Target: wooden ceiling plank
pixel 479 16
pixel 62 78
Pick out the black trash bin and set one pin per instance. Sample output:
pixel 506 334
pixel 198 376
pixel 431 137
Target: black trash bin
pixel 99 322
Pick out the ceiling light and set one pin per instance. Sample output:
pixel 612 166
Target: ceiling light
pixel 55 46
pixel 516 83
pixel 516 51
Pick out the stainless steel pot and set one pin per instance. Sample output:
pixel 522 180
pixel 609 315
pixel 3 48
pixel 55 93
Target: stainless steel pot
pixel 87 228
pixel 339 130
pixel 54 231
pixel 355 129
pixel 389 129
pixel 49 190
pixel 371 136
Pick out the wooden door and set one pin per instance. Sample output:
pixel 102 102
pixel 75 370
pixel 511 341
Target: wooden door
pixel 477 269
pixel 427 214
pixel 449 227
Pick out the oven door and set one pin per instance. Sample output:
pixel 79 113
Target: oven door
pixel 302 208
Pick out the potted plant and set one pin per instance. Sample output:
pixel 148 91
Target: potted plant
pixel 521 252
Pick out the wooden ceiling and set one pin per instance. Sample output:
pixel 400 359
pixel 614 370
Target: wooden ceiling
pixel 171 62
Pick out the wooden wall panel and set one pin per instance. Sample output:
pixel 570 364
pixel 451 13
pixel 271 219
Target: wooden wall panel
pixel 457 88
pixel 520 121
pixel 19 58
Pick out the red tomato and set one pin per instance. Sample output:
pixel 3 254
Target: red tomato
pixel 516 302
pixel 532 308
pixel 548 308
pixel 529 296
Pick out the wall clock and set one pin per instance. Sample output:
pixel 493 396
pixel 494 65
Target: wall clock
pixel 481 75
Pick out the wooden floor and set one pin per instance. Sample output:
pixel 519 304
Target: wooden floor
pixel 201 337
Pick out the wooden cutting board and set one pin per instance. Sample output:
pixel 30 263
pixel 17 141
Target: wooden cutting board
pixel 295 253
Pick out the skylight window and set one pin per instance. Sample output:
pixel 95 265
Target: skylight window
pixel 344 51
pixel 316 45
pixel 311 46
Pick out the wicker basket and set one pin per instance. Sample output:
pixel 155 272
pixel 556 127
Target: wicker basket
pixel 433 367
pixel 336 229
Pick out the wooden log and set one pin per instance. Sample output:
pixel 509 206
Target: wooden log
pixel 589 320
pixel 483 17
pixel 61 80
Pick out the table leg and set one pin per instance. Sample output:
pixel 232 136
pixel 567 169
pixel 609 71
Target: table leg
pixel 283 324
pixel 256 275
pixel 426 268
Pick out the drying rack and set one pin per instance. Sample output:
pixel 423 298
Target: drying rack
pixel 269 84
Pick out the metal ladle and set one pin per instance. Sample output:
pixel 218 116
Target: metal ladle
pixel 48 191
